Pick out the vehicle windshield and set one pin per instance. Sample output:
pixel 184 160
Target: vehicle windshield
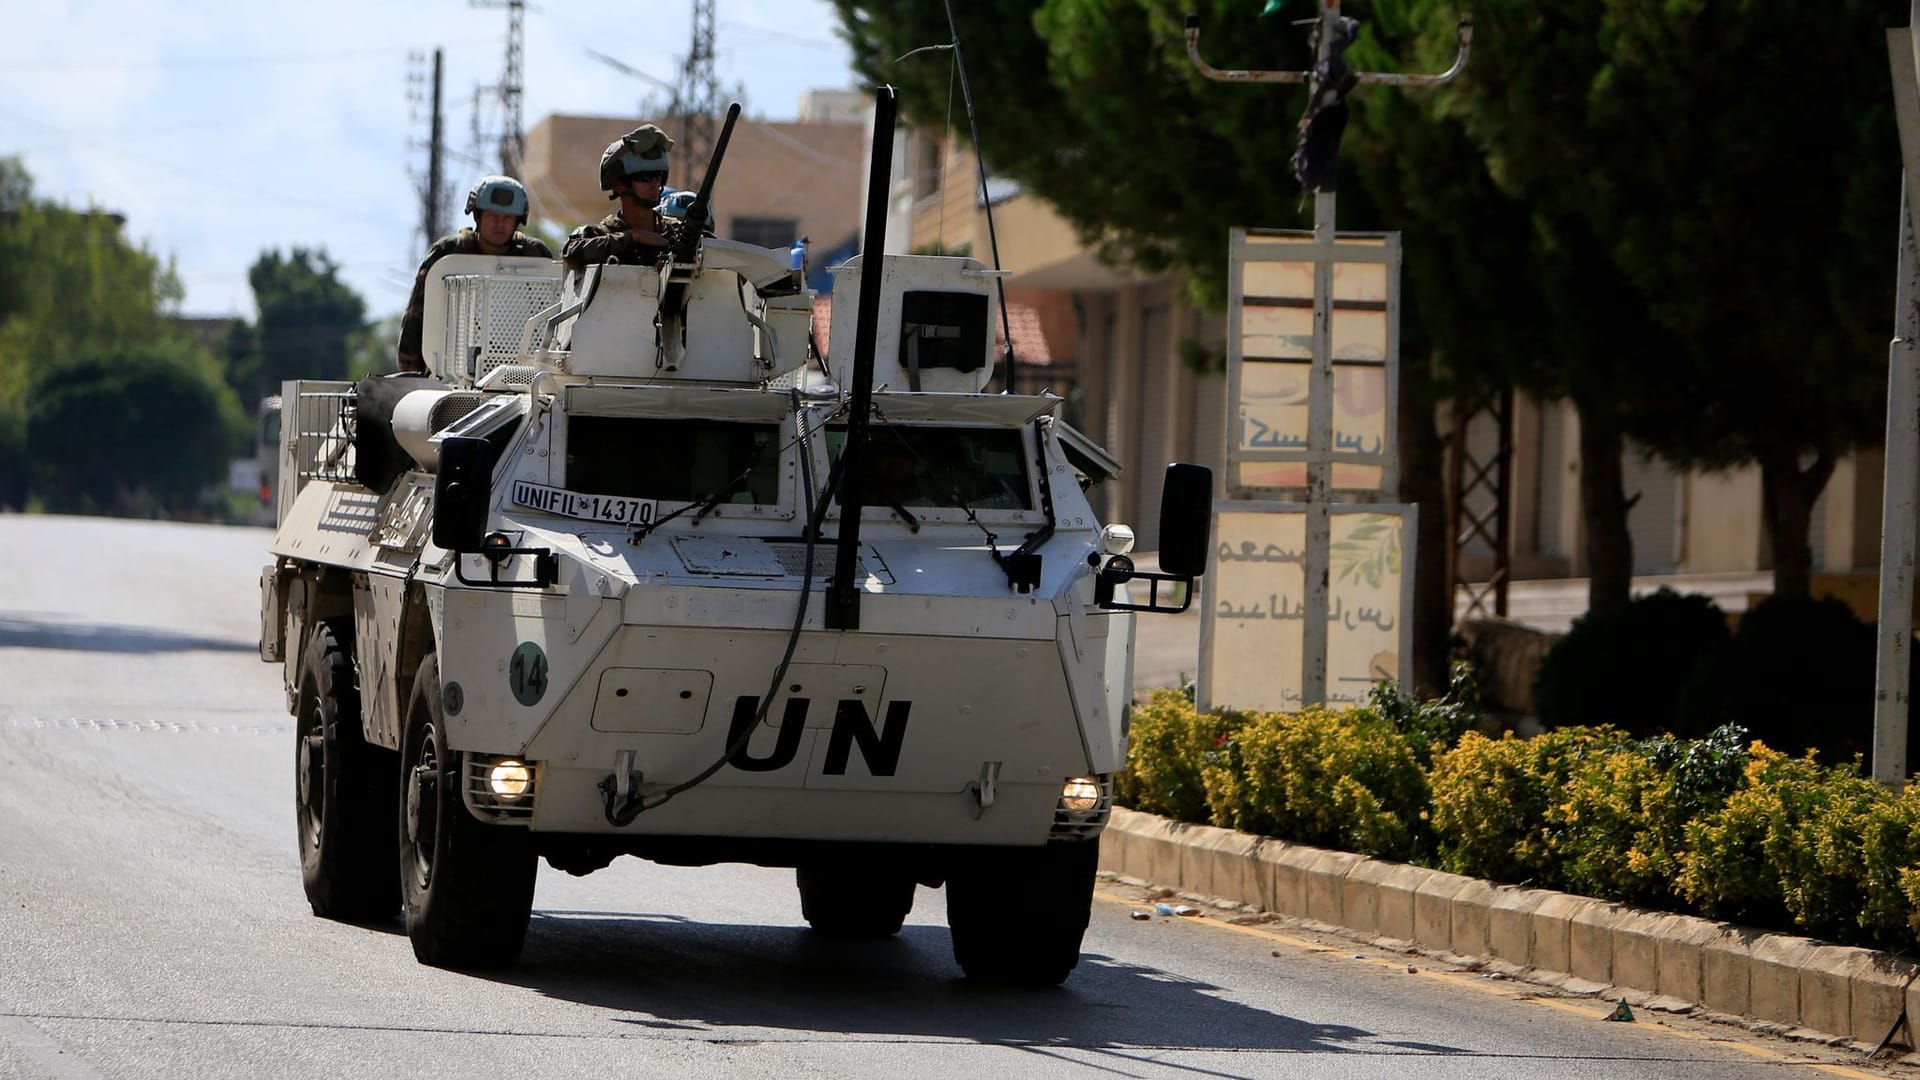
pixel 674 460
pixel 974 468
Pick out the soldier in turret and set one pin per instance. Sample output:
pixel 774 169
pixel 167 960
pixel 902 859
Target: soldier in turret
pixel 499 206
pixel 633 171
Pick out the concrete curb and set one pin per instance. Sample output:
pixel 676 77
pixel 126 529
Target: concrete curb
pixel 1654 959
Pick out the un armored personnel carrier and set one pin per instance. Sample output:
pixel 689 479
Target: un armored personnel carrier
pixel 634 572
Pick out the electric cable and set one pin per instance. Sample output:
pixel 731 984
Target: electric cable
pixel 620 817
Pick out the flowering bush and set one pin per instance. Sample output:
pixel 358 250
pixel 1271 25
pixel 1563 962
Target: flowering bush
pixel 1713 825
pixel 1345 780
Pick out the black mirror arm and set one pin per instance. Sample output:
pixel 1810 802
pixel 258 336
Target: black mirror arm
pixel 1119 571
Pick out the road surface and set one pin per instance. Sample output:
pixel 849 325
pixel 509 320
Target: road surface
pixel 152 922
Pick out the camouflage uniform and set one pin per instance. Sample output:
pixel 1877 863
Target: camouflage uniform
pixel 464 242
pixel 608 241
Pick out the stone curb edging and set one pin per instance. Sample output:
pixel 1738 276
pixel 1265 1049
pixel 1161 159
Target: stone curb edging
pixel 1667 961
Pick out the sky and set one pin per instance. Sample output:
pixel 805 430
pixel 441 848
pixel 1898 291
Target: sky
pixel 224 128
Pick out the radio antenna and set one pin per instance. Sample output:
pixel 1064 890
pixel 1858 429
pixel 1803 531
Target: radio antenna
pixel 986 201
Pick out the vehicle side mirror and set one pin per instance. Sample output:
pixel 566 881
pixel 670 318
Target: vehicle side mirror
pixel 1186 519
pixel 462 487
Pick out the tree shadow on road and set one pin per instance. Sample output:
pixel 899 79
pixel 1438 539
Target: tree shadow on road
pixel 23 633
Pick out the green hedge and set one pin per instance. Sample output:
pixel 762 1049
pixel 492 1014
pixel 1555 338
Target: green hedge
pixel 1719 826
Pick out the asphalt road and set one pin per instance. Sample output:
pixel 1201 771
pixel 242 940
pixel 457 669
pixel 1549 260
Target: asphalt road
pixel 152 922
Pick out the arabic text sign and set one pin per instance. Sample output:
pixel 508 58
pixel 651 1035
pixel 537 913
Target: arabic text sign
pixel 1253 656
pixel 1271 358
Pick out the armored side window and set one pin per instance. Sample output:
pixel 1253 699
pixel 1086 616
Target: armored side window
pixel 968 468
pixel 674 460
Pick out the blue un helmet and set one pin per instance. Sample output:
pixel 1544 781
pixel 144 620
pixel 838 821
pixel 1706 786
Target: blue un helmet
pixel 499 195
pixel 677 203
pixel 642 150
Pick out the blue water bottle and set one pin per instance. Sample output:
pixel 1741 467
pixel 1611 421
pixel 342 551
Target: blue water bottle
pixel 797 255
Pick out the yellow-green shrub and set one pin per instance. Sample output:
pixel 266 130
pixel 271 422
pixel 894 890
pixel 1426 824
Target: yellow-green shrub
pixel 1168 744
pixel 1619 829
pixel 1491 799
pixel 1341 779
pixel 1604 835
pixel 1818 845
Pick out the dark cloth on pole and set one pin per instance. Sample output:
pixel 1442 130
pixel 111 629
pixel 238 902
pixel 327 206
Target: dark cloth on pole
pixel 1316 161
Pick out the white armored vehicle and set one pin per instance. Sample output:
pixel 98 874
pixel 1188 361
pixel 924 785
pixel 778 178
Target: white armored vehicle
pixel 634 573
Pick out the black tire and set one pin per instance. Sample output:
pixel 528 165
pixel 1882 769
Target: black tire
pixel 468 886
pixel 343 788
pixel 1031 941
pixel 845 898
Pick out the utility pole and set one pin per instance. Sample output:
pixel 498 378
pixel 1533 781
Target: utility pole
pixel 436 203
pixel 433 186
pixel 1891 708
pixel 513 140
pixel 699 95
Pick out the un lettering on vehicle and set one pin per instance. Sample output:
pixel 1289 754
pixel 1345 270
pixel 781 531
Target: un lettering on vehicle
pixel 875 741
pixel 612 509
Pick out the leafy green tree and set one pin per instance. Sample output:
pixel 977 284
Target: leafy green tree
pixel 308 317
pixel 370 351
pixel 1745 197
pixel 130 431
pixel 1094 106
pixel 73 291
pixel 70 283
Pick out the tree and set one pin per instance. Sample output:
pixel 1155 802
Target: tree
pixel 73 290
pixel 307 318
pixel 1744 202
pixel 1094 106
pixel 146 428
pixel 70 283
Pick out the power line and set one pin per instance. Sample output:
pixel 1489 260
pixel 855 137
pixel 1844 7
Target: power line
pixel 209 61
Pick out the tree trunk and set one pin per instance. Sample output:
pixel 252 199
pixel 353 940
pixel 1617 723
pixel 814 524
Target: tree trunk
pixel 1421 484
pixel 1604 504
pixel 1787 498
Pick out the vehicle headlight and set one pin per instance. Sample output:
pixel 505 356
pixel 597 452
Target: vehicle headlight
pixel 1081 795
pixel 1116 539
pixel 510 780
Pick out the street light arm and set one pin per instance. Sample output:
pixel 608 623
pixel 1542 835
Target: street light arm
pixel 1365 77
pixel 1370 78
pixel 1234 75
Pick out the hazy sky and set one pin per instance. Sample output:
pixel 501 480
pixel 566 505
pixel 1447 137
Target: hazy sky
pixel 223 128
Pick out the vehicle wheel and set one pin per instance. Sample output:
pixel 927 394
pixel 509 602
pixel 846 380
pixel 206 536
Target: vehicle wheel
pixel 468 885
pixel 343 788
pixel 1035 941
pixel 851 899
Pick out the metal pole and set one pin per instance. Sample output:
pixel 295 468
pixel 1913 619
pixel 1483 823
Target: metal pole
pixel 843 592
pixel 436 183
pixel 1313 680
pixel 1897 525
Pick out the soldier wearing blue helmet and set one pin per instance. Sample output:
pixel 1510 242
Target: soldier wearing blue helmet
pixel 499 207
pixel 633 171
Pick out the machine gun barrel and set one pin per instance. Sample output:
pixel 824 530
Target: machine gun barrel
pixel 689 238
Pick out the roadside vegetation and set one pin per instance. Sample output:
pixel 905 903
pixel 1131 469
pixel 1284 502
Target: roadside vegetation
pixel 1720 824
pixel 110 401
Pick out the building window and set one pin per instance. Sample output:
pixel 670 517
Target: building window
pixel 766 232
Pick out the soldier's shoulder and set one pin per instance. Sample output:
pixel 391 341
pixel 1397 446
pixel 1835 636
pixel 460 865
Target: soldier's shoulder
pixel 531 246
pixel 464 242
